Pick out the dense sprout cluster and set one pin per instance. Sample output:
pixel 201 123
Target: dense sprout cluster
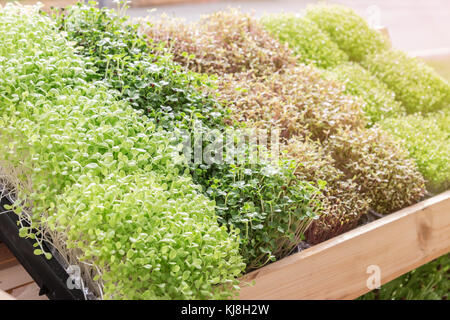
pixel 298 101
pixel 388 179
pixel 348 30
pixel 273 100
pixel 379 101
pixel 363 169
pixel 427 139
pixel 145 77
pixel 389 83
pixel 264 200
pixel 305 107
pixel 107 188
pixel 94 112
pixel 269 204
pixel 268 207
pixel 313 44
pixel 417 86
pixel 341 199
pixel 306 39
pixel 387 80
pixel 302 104
pixel 223 42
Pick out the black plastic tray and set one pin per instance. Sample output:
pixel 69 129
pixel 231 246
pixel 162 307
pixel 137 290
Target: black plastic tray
pixel 49 275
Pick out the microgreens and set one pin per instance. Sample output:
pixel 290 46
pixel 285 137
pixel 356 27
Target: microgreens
pixel 100 181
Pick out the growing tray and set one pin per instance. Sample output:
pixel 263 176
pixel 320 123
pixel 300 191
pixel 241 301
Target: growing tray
pixel 335 269
pixel 49 275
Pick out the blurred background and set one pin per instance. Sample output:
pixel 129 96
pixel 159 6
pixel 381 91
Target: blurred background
pixel 414 25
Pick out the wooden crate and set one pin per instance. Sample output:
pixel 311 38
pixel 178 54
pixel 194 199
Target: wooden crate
pixel 335 269
pixel 340 267
pixel 5 296
pixel 15 282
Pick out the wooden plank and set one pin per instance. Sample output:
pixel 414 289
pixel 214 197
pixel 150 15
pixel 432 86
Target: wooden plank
pixel 5 296
pixel 338 268
pixel 7 259
pixel 14 277
pixel 27 292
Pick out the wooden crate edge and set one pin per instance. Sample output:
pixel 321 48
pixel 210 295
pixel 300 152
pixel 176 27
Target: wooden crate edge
pixel 337 268
pixel 5 296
